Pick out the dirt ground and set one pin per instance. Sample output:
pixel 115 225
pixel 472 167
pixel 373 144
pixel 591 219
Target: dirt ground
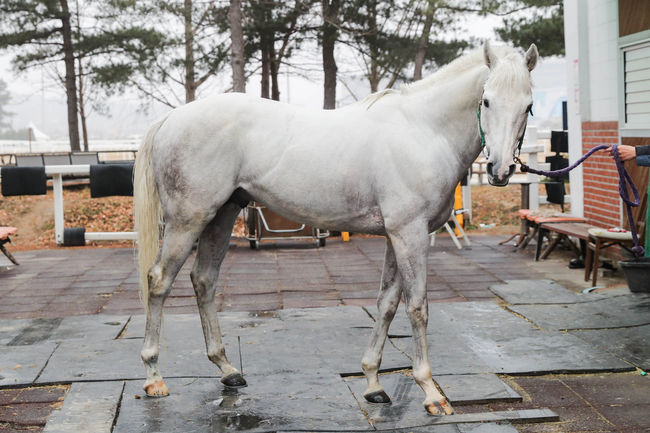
pixel 34 215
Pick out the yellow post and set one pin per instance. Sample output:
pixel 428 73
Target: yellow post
pixel 345 236
pixel 458 204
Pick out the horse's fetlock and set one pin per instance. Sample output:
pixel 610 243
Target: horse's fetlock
pixel 149 356
pixel 417 309
pixel 422 373
pixel 368 365
pixel 215 355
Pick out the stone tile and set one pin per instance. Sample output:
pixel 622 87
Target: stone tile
pixel 475 388
pixel 315 402
pixel 405 409
pixel 447 355
pixel 58 329
pixel 629 344
pixel 21 364
pixel 88 407
pixel 604 313
pixel 10 328
pixel 101 361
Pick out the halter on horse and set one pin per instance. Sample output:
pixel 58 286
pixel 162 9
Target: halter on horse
pixel 393 161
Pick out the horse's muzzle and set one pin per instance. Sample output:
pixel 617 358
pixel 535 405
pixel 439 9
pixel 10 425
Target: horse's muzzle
pixel 495 179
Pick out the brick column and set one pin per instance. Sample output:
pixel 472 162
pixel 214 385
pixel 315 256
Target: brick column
pixel 601 198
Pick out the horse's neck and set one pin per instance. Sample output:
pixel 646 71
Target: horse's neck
pixel 450 111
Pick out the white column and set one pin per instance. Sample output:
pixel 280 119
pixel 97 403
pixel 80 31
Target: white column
pixel 57 187
pixel 576 41
pixel 533 179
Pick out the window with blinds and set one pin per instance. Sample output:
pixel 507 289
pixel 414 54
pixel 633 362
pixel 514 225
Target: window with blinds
pixel 637 86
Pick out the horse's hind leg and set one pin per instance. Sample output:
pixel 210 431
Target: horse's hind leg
pixel 213 245
pixel 177 245
pixel 411 245
pixel 387 302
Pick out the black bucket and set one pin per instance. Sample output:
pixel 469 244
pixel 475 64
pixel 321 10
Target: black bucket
pixel 637 274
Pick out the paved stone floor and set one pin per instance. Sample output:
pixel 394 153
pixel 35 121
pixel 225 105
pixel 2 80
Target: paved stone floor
pixel 514 344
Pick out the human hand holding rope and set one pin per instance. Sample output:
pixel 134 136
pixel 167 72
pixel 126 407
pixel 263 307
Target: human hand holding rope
pixel 625 153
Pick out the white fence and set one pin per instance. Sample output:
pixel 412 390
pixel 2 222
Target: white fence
pixel 43 146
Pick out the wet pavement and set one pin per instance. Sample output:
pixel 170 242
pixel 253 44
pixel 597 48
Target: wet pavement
pixel 513 344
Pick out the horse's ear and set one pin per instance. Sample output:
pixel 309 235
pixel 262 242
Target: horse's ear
pixel 531 57
pixel 490 57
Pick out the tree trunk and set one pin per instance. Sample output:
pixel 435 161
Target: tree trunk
pixel 275 67
pixel 374 77
pixel 70 83
pixel 266 66
pixel 190 79
pixel 237 47
pixel 82 108
pixel 330 34
pixel 423 41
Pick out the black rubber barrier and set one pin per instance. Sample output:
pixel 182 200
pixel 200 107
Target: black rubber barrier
pixel 23 181
pixel 111 179
pixel 74 237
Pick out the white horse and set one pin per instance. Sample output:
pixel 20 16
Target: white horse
pixel 387 165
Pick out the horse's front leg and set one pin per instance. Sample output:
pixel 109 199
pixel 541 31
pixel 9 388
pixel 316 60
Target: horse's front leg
pixel 410 244
pixel 387 302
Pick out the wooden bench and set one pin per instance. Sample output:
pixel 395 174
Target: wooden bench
pixel 592 241
pixel 563 230
pixel 5 232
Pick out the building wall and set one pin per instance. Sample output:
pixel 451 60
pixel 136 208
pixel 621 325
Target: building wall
pixel 592 30
pixel 600 177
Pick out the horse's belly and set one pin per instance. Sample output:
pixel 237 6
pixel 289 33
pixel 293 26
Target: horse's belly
pixel 317 212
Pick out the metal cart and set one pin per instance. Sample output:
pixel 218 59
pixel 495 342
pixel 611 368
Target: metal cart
pixel 258 227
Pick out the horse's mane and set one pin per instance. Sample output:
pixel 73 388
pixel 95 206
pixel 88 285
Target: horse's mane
pixel 508 58
pixel 470 60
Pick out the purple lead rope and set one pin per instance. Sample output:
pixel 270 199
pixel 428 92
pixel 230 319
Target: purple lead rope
pixel 624 181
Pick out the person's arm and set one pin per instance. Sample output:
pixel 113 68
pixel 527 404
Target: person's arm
pixel 642 150
pixel 643 160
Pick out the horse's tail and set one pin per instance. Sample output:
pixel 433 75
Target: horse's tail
pixel 147 209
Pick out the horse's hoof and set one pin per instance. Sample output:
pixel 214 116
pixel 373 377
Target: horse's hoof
pixel 157 389
pixel 234 380
pixel 439 408
pixel 377 397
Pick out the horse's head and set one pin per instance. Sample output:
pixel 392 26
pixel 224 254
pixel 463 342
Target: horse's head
pixel 503 110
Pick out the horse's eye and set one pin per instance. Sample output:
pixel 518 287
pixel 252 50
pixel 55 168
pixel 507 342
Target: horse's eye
pixel 486 103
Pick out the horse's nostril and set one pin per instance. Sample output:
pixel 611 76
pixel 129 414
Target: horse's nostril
pixel 489 168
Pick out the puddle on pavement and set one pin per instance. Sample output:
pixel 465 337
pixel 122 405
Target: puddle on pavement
pixel 230 415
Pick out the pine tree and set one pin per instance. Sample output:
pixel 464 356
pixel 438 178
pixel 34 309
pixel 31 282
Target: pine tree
pixel 188 47
pixel 544 27
pixel 40 33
